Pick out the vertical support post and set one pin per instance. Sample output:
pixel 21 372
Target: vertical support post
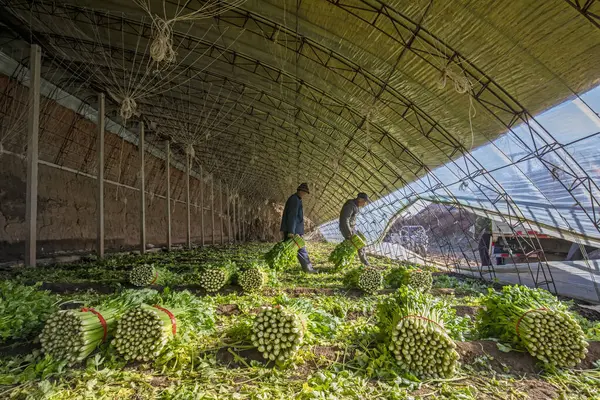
pixel 234 224
pixel 212 207
pixel 142 192
pixel 221 213
pixel 228 217
pixel 168 194
pixel 240 219
pixel 244 230
pixel 188 159
pixel 33 127
pixel 202 205
pixel 100 201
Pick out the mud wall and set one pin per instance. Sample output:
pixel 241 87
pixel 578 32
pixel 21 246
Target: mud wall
pixel 67 206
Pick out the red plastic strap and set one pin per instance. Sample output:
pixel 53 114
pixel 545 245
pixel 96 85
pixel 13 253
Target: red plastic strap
pixel 101 318
pixel 524 314
pixel 423 318
pixel 171 316
pixel 294 240
pixel 155 278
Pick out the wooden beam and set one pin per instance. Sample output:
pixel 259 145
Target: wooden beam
pixel 168 170
pixel 33 127
pixel 100 199
pixel 142 191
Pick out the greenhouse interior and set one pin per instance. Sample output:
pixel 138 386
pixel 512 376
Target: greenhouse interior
pixel 308 199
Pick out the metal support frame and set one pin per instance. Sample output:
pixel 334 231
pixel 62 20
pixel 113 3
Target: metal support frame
pixel 234 231
pixel 142 191
pixel 188 217
pixel 212 207
pixel 202 236
pixel 168 194
pixel 240 220
pixel 222 221
pixel 100 179
pixel 228 197
pixel 33 127
pixel 245 230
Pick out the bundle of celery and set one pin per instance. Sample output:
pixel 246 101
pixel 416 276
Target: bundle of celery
pixel 412 323
pixel 409 276
pixel 72 335
pixel 143 275
pixel 213 278
pixel 144 331
pixel 367 279
pixel 343 254
pixel 251 279
pixel 535 320
pixel 420 279
pixel 278 333
pixel 283 254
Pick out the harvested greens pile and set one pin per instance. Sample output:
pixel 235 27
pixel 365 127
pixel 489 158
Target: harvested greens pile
pixel 23 309
pixel 368 279
pixel 535 320
pixel 283 254
pixel 143 275
pixel 325 342
pixel 251 279
pixel 278 333
pixel 71 335
pixel 412 323
pixel 213 278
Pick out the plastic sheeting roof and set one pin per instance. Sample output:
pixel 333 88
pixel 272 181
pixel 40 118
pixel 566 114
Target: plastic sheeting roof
pixel 348 95
pixel 513 187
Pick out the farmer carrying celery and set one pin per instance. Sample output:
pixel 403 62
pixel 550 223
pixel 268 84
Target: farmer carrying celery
pixel 292 223
pixel 348 220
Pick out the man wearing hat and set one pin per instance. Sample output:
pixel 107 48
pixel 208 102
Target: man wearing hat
pixel 348 220
pixel 292 223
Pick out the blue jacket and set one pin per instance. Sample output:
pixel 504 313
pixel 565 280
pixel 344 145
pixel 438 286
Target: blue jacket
pixel 292 220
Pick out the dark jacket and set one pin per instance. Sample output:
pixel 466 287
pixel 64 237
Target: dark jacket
pixel 348 218
pixel 292 220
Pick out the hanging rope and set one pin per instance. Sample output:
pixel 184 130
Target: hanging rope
pixel 462 85
pixel 161 49
pixel 128 108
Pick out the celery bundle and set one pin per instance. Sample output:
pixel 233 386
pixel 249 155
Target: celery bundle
pixel 535 320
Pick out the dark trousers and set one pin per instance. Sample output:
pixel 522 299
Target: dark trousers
pixel 303 257
pixel 362 254
pixel 484 249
